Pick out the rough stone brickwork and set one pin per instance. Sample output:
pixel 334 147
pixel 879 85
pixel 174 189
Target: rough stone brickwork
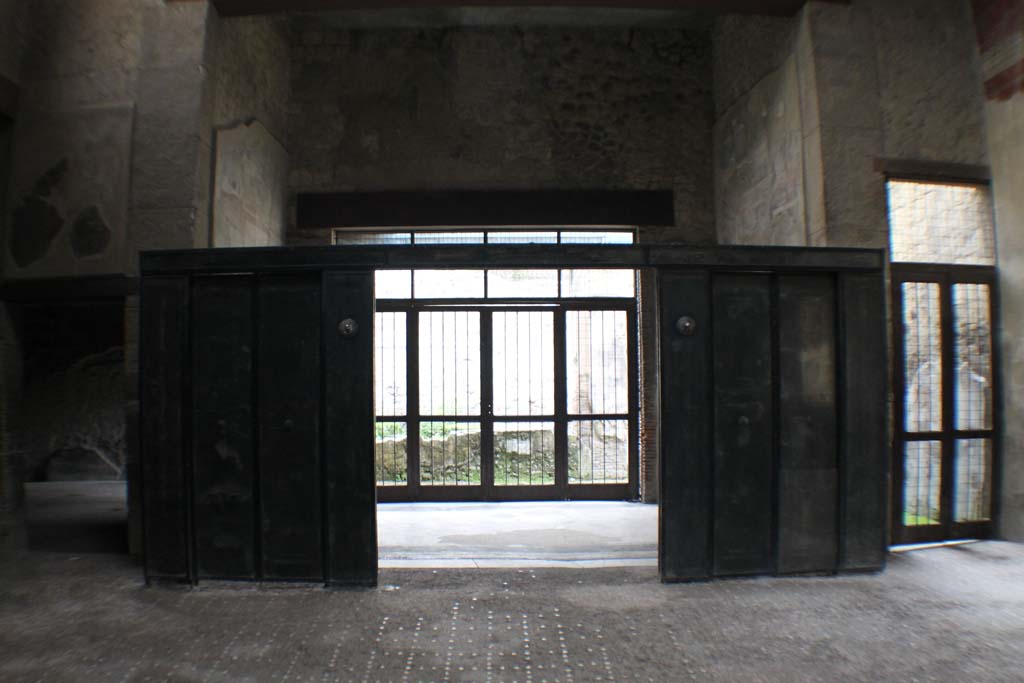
pixel 505 107
pixel 650 381
pixel 747 48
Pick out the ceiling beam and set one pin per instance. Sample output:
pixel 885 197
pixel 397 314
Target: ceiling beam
pixel 249 7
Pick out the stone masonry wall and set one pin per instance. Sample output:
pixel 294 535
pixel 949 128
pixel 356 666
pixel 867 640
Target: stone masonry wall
pixel 251 89
pixel 13 28
pixel 1000 34
pixel 873 79
pixel 928 80
pixel 69 182
pixel 505 108
pixel 765 172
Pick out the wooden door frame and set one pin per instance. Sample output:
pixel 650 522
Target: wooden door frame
pixel 945 276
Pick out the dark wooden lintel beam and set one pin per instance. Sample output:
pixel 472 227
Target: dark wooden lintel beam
pixel 276 259
pixel 89 287
pixel 492 208
pixel 247 7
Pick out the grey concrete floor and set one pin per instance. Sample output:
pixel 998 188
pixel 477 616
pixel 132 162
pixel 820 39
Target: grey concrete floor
pixel 91 517
pixel 547 534
pixel 76 516
pixel 942 614
pixel 945 614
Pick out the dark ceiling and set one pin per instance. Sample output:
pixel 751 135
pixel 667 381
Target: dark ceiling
pixel 243 7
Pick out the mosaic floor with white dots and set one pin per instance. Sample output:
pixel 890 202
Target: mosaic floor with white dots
pixel 945 614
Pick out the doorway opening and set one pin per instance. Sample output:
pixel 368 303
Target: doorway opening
pixel 71 426
pixel 511 385
pixel 944 289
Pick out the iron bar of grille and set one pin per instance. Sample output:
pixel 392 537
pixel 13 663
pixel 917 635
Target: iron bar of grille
pixel 523 436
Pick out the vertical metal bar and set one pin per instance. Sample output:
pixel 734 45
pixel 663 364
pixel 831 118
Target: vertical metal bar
pixel 412 401
pixel 996 467
pixel 948 469
pixel 776 446
pixel 254 398
pixel 188 471
pixel 561 407
pixel 487 403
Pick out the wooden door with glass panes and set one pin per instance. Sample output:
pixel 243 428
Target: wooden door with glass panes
pixel 944 293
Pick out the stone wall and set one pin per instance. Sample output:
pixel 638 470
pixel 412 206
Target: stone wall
pixel 13 37
pixel 930 93
pixel 66 199
pixel 251 84
pixel 759 170
pixel 172 144
pixel 747 48
pixel 873 79
pixel 1001 42
pixel 505 107
pixel 767 171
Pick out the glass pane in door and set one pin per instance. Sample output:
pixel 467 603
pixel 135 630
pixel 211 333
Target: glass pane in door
pixel 449 345
pixel 922 357
pixel 524 453
pixel 598 452
pixel 449 453
pixel 973 467
pixel 597 364
pixel 524 363
pixel 922 483
pixel 391 454
pixel 972 333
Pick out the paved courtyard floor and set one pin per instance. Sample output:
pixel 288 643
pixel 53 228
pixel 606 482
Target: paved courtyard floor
pixel 943 614
pixel 495 535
